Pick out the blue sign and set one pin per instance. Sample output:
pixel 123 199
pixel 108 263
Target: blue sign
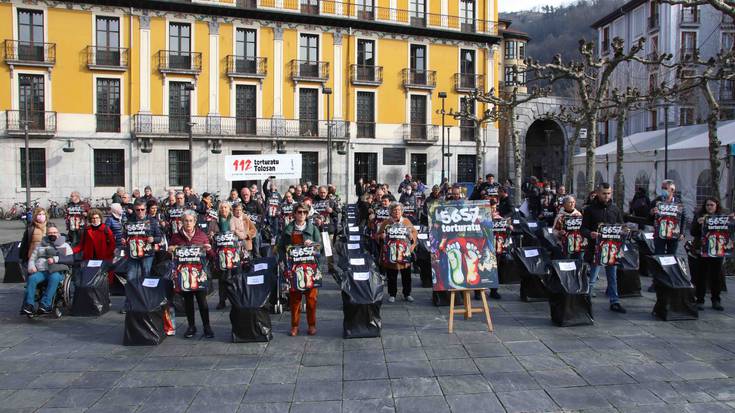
pixel 732 149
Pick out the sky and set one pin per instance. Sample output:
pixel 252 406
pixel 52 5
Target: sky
pixel 516 5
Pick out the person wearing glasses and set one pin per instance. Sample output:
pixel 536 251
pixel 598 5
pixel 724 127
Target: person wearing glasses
pixel 140 256
pixel 393 268
pixel 301 232
pixel 97 241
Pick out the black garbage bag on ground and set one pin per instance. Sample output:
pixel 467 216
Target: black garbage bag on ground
pixel 526 229
pixel 146 300
pixel 674 289
pixel 249 294
pixel 362 295
pixel 15 272
pixel 569 300
pixel 91 289
pixel 422 260
pixel 549 242
pixel 533 268
pixel 629 279
pixel 644 241
pixel 119 268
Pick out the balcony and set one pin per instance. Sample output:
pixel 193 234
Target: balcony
pixel 172 61
pixel 108 122
pixel 366 75
pixel 727 91
pixel 247 67
pixel 689 17
pixel 310 7
pixel 107 58
pixel 309 71
pixel 365 130
pixel 653 23
pixel 41 124
pixel 420 134
pixel 230 127
pixel 468 82
pixel 466 132
pixel 686 53
pixel 19 53
pixel 419 79
pixel 728 22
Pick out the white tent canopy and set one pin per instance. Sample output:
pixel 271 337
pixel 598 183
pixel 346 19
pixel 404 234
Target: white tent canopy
pixel 688 158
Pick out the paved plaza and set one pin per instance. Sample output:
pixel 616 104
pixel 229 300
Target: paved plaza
pixel 624 363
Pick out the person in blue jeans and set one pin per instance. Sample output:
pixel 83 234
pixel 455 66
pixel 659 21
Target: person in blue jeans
pixel 142 235
pixel 47 262
pixel 602 211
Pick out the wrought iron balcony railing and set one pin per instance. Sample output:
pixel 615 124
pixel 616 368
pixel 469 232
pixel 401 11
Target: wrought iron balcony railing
pixel 419 79
pixel 145 125
pixel 366 75
pixel 689 17
pixel 421 134
pixel 466 82
pixel 108 122
pixel 653 22
pixel 107 58
pixel 173 61
pixel 241 66
pixel 30 53
pixel 39 122
pixel 309 71
pixel 366 130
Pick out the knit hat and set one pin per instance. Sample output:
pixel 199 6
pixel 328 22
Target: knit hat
pixel 116 210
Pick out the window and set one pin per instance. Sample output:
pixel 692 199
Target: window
pixel 179 44
pixel 30 35
pixel 467 69
pixel 686 116
pixel 467 15
pixel 521 51
pixel 179 171
pixel 37 158
pixel 365 60
pixel 418 65
pixel 653 15
pixel 245 47
pixel 310 167
pixel 310 6
pixel 704 186
pixel 179 107
pixel 31 101
pixel 107 38
pixel 510 49
pixel 688 44
pixel 417 11
pixel 652 83
pixel 365 9
pixel 690 15
pixel 652 120
pixel 109 167
pixel 108 105
pixel 466 168
pixel 727 113
pixel 728 41
pixel 308 112
pixel 605 39
pixel 418 117
pixel 467 127
pixel 365 114
pixel 418 166
pixel 366 166
pixel 509 77
pixel 309 55
pixel 246 102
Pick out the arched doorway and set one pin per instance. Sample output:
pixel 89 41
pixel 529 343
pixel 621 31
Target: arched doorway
pixel 545 150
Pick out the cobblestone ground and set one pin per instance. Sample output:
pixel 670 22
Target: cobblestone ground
pixel 624 363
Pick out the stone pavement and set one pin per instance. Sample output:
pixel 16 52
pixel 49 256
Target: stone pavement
pixel 624 363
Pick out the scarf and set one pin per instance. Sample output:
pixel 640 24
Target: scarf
pixel 224 224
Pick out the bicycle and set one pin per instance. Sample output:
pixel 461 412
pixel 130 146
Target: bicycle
pixel 54 210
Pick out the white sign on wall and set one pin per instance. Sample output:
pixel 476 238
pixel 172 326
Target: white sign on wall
pixel 256 167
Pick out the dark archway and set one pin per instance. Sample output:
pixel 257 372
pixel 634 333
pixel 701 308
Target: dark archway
pixel 545 150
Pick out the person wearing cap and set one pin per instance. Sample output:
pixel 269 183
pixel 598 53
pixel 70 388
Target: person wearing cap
pixel 114 223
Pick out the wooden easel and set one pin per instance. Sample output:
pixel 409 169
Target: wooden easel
pixel 468 310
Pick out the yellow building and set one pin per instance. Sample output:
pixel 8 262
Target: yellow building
pixel 109 93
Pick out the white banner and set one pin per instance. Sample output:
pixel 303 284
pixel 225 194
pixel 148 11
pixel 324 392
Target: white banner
pixel 255 167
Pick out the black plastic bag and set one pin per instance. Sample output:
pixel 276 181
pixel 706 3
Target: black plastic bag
pixel 146 300
pixel 91 289
pixel 569 300
pixel 509 270
pixel 534 268
pixel 15 271
pixel 362 282
pixel 629 280
pixel 250 294
pixel 360 320
pixel 674 289
pixel 549 242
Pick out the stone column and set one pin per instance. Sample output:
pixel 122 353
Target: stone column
pixel 278 71
pixel 145 63
pixel 213 68
pixel 337 71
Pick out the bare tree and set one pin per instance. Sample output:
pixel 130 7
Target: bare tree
pixel 468 113
pixel 725 6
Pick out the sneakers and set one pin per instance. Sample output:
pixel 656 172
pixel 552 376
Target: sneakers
pixel 190 332
pixel 44 310
pixel 408 298
pixel 221 306
pixel 717 306
pixel 494 294
pixel 616 307
pixel 208 333
pixel 391 299
pixel 27 309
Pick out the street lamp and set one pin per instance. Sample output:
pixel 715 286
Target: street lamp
pixel 443 97
pixel 189 87
pixel 328 91
pixel 448 155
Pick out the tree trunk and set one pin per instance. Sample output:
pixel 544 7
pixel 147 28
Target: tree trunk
pixel 590 167
pixel 517 160
pixel 571 145
pixel 619 178
pixel 714 154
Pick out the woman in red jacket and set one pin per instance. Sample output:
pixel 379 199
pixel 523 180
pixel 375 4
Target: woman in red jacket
pixel 97 241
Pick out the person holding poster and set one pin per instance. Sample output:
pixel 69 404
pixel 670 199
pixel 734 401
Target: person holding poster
pixel 602 211
pixel 567 228
pixel 76 216
pixel 302 233
pixel 712 230
pixel 227 233
pixel 397 237
pixel 141 239
pixel 668 221
pixel 174 214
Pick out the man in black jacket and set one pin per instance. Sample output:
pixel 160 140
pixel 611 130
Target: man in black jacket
pixel 602 211
pixel 505 207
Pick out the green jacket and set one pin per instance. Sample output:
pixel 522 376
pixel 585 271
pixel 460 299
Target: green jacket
pixel 311 232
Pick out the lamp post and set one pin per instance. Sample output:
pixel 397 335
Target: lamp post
pixel 328 91
pixel 443 97
pixel 666 141
pixel 189 87
pixel 448 155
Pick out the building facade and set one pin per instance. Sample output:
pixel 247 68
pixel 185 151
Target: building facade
pixel 110 94
pixel 667 29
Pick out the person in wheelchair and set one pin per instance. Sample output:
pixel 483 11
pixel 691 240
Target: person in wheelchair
pixel 52 256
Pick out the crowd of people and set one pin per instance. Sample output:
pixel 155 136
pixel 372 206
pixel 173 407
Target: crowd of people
pixel 267 221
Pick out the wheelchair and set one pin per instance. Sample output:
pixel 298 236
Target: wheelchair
pixel 62 300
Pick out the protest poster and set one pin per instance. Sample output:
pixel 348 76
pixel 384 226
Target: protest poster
pixel 174 219
pixel 302 267
pixel 572 241
pixel 287 212
pixel 257 167
pixel 717 236
pixel 396 244
pixel 137 234
pixel 226 244
pixel 501 235
pixel 462 245
pixel 667 220
pixel 189 269
pixel 381 214
pixel 274 205
pixel 75 217
pixel 609 246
